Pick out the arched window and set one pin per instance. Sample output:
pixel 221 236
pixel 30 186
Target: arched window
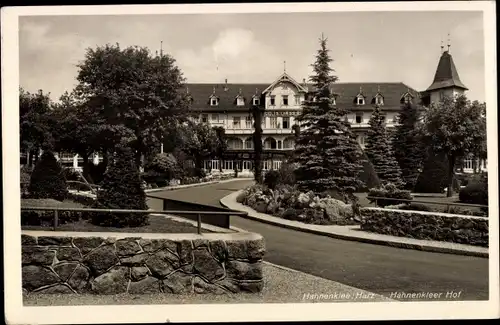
pixel 249 143
pixel 270 143
pixel 234 143
pixel 288 143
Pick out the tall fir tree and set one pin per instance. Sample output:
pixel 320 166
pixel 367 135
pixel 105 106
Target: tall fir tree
pixel 121 189
pixel 407 145
pixel 379 151
pixel 328 156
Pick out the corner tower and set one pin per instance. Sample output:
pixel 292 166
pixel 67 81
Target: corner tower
pixel 446 80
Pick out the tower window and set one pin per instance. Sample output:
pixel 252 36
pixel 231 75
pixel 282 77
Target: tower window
pixel 256 101
pixel 360 100
pixel 273 100
pixel 359 118
pixel 285 100
pixel 379 100
pixel 214 101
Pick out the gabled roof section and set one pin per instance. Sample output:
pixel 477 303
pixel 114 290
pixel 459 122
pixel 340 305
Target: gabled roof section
pixel 446 74
pixel 285 78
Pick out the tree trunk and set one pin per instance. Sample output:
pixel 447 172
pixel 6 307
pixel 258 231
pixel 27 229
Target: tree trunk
pixel 220 163
pixel 451 174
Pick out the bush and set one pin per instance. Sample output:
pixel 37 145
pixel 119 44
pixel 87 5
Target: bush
pixel 290 214
pixel 241 198
pixel 47 180
pixel 389 191
pixel 271 179
pixel 71 175
pixel 121 189
pixel 368 176
pixel 162 169
pixel 286 174
pixel 427 226
pixel 475 192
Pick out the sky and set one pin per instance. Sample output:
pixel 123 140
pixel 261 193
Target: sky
pixel 366 46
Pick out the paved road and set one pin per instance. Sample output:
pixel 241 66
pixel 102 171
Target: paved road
pixel 375 268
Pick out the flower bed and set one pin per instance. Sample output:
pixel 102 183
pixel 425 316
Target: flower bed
pixel 288 203
pixel 426 225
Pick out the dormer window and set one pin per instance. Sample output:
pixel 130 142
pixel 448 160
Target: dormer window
pixel 379 100
pixel 256 101
pixel 360 100
pixel 214 101
pixel 406 98
pixel 240 101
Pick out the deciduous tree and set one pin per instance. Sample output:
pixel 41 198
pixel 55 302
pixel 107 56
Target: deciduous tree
pixel 454 127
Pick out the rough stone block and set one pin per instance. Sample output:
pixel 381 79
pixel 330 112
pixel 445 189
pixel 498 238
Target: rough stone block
pixel 28 240
pixel 68 254
pixel 162 263
pixel 139 259
pixel 256 249
pixel 243 270
pixel 147 285
pixel 79 279
pixel 86 244
pixel 37 255
pixel 237 249
pixel 127 247
pixel 114 281
pixel 251 286
pixel 178 282
pixel 54 241
pixel 219 250
pixel 185 250
pixel 138 272
pixel 101 259
pixel 206 265
pixel 56 289
pixel 200 242
pixel 200 286
pixel 34 277
pixel 64 270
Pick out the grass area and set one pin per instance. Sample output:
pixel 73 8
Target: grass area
pixel 157 224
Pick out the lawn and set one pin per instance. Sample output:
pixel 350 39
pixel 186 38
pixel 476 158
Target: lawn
pixel 157 224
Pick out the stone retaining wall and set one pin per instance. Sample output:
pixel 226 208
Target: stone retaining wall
pixel 426 225
pixel 168 263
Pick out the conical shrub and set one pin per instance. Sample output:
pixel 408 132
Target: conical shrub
pixel 47 180
pixel 121 188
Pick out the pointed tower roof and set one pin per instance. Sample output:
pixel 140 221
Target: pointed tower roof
pixel 446 74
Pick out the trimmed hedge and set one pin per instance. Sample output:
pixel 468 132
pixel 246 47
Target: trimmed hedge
pixel 47 180
pixel 389 191
pixel 474 193
pixel 427 226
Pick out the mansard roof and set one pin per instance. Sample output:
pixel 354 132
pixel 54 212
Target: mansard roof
pixel 446 74
pixel 392 93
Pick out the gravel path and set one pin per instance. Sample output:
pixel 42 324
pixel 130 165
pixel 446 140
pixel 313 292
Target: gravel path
pixel 281 286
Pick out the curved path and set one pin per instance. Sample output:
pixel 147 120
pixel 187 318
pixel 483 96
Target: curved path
pixel 374 268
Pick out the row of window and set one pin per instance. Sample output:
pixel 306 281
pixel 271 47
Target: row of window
pixel 237 122
pixel 360 100
pixel 243 165
pixel 269 143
